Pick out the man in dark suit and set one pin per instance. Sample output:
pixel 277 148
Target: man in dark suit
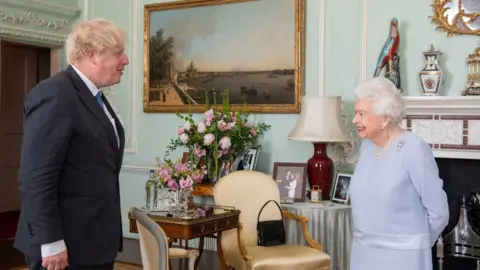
pixel 71 158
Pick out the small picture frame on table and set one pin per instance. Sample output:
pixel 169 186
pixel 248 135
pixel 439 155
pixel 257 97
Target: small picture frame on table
pixel 341 188
pixel 250 163
pixel 291 179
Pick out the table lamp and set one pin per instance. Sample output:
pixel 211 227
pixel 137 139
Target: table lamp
pixel 320 123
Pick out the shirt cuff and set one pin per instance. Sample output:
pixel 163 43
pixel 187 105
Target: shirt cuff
pixel 53 248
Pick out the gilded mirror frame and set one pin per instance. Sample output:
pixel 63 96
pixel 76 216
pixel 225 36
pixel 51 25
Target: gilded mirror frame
pixel 150 105
pixel 441 19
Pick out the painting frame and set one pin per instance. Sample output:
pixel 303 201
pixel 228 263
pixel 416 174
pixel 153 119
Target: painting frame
pixel 336 192
pixel 299 61
pixel 300 167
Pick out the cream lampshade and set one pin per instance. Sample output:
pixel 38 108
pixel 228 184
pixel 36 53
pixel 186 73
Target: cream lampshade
pixel 320 123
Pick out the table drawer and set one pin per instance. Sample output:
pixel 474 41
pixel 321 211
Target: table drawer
pixel 204 228
pixel 227 223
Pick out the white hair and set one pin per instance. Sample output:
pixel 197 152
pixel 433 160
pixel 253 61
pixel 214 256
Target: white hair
pixel 385 97
pixel 97 35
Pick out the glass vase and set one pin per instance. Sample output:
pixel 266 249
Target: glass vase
pixel 165 199
pixel 213 170
pixel 169 200
pixel 181 200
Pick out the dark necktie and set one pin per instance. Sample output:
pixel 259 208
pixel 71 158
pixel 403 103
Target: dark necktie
pixel 99 99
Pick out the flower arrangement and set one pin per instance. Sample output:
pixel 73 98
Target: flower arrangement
pixel 177 175
pixel 219 136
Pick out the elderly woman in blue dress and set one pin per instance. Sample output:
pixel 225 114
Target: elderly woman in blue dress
pixel 399 207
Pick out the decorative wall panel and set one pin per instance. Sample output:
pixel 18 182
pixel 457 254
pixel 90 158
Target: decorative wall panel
pixel 123 96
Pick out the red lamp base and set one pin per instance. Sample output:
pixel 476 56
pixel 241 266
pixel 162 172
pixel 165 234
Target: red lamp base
pixel 320 170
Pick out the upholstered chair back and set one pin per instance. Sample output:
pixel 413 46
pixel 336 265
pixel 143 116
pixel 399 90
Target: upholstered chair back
pixel 153 242
pixel 247 191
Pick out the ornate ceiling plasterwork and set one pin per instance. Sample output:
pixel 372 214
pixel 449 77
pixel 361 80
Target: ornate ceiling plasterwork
pixel 44 23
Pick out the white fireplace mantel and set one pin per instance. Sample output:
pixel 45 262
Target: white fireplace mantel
pixel 451 125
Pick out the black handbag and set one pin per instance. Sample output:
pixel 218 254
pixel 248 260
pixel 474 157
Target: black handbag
pixel 270 232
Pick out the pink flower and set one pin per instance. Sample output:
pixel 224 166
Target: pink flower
pixel 197 178
pixel 184 138
pixel 172 185
pixel 208 139
pixel 253 132
pixel 164 172
pixel 222 152
pixel 201 127
pixel 199 152
pixel 167 178
pixel 186 183
pixel 209 115
pixel 225 143
pixel 180 131
pixel 221 125
pixel 181 167
pixel 187 126
pixel 200 212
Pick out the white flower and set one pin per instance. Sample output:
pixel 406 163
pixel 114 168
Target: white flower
pixel 208 139
pixel 225 143
pixel 201 127
pixel 184 138
pixel 187 126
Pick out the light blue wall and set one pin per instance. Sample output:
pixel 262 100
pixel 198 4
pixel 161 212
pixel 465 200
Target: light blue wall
pixel 343 67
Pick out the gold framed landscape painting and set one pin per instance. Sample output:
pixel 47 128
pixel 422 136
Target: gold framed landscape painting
pixel 197 49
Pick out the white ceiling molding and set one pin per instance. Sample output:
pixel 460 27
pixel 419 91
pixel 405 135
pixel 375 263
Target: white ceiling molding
pixel 42 23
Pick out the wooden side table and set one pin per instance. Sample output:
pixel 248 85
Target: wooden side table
pixel 201 220
pixel 204 190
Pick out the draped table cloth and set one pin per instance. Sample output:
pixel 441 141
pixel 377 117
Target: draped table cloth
pixel 331 226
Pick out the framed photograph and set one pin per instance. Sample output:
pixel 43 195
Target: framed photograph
pixel 341 188
pixel 252 159
pixel 291 179
pixel 195 49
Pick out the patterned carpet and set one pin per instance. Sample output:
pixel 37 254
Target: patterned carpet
pixel 118 266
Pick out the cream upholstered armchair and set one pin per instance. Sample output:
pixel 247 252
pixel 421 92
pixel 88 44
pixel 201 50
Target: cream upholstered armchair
pixel 248 191
pixel 154 245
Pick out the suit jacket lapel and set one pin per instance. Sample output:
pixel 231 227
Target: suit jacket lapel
pixel 91 103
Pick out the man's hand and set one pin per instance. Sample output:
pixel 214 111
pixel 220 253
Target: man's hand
pixel 56 262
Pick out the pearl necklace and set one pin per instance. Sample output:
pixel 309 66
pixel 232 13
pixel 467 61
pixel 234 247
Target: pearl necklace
pixel 379 153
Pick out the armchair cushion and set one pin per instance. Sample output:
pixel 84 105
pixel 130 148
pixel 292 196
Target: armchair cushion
pixel 287 256
pixel 282 257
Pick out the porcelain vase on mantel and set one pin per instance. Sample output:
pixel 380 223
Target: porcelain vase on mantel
pixel 431 76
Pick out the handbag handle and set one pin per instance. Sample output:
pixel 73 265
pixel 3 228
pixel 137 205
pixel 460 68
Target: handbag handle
pixel 258 217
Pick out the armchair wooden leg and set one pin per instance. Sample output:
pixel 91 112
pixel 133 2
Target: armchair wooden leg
pixel 223 264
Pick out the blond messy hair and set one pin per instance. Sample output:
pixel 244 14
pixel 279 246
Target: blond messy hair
pixel 95 35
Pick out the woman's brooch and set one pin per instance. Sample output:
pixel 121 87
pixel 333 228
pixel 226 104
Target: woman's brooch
pixel 400 145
